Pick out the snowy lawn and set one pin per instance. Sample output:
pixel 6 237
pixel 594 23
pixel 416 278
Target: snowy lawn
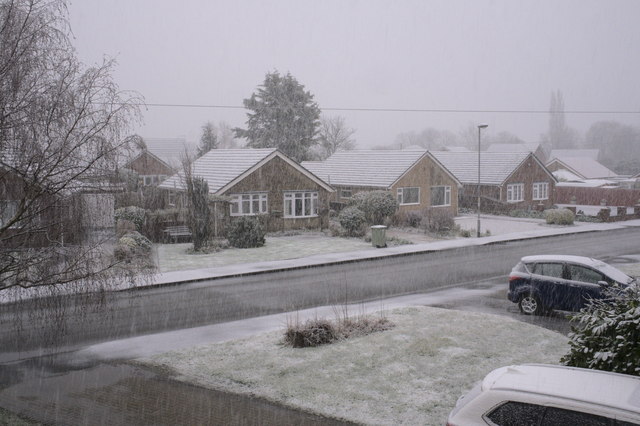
pixel 174 257
pixel 411 374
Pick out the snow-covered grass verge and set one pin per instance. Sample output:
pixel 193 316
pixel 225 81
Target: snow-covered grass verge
pixel 411 374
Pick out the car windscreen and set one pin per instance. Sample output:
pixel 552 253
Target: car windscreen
pixel 614 273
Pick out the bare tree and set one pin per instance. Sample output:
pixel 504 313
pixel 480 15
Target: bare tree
pixel 335 136
pixel 62 129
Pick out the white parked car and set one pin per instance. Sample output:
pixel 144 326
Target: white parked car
pixel 546 395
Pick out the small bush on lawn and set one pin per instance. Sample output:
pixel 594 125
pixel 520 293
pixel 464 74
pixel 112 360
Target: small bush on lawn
pixel 352 219
pixel 607 336
pixel 246 232
pixel 318 332
pixel 132 245
pixel 376 205
pixel 438 221
pixel 559 217
pixel 411 219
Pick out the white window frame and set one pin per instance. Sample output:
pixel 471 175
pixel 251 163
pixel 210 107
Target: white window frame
pixel 245 204
pixel 447 195
pixel 540 191
pixel 172 198
pixel 515 192
pixel 346 192
pixel 401 196
pixel 305 202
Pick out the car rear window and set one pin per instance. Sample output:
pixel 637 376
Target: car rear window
pixel 514 413
pixel 549 269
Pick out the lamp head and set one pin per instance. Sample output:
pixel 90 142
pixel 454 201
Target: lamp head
pixel 482 126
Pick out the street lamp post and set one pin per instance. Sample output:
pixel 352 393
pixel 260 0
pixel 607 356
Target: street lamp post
pixel 480 127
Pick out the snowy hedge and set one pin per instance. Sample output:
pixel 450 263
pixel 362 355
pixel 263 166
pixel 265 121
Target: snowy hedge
pixel 246 232
pixel 376 205
pixel 352 219
pixel 559 216
pixel 607 336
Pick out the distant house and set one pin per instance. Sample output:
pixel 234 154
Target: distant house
pixel 415 177
pixel 34 216
pixel 170 150
pixel 508 180
pixel 594 154
pixel 259 182
pixel 536 148
pixel 150 168
pixel 583 167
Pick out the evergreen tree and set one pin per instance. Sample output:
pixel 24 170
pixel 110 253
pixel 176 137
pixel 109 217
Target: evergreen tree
pixel 208 139
pixel 283 115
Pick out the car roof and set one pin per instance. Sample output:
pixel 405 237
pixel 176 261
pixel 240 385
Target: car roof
pixel 595 263
pixel 603 388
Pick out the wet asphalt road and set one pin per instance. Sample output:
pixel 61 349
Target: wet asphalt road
pixel 52 389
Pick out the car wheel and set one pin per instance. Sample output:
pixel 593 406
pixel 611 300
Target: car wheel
pixel 530 305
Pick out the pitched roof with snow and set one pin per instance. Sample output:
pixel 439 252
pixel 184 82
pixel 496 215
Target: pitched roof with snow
pixel 370 168
pixel 585 167
pixel 513 147
pixel 495 167
pixel 558 153
pixel 222 168
pixel 169 150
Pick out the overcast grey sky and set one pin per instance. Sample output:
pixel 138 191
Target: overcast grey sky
pixel 465 55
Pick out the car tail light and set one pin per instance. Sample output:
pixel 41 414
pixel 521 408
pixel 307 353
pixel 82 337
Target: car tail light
pixel 514 277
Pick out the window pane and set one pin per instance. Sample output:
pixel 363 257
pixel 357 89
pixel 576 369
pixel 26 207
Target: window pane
pixel 549 269
pixel 298 211
pixel 580 273
pixel 516 414
pixel 288 209
pixel 437 195
pixel 255 206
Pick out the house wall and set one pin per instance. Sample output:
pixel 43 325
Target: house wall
pixel 276 177
pixel 530 172
pixel 594 196
pixel 145 164
pixel 493 198
pixel 424 175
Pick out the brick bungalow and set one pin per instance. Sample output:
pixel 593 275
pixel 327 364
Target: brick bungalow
pixel 415 177
pixel 508 180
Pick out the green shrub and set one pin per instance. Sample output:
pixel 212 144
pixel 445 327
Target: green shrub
pixel 376 205
pixel 246 232
pixel 132 214
pixel 608 335
pixel 199 218
pixel 559 216
pixel 439 221
pixel 352 219
pixel 132 245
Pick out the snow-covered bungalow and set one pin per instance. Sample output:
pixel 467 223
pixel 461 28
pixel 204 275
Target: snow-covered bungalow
pixel 583 167
pixel 258 182
pixel 508 180
pixel 415 176
pixel 536 148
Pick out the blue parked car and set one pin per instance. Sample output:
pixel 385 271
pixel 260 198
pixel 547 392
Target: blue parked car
pixel 542 283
